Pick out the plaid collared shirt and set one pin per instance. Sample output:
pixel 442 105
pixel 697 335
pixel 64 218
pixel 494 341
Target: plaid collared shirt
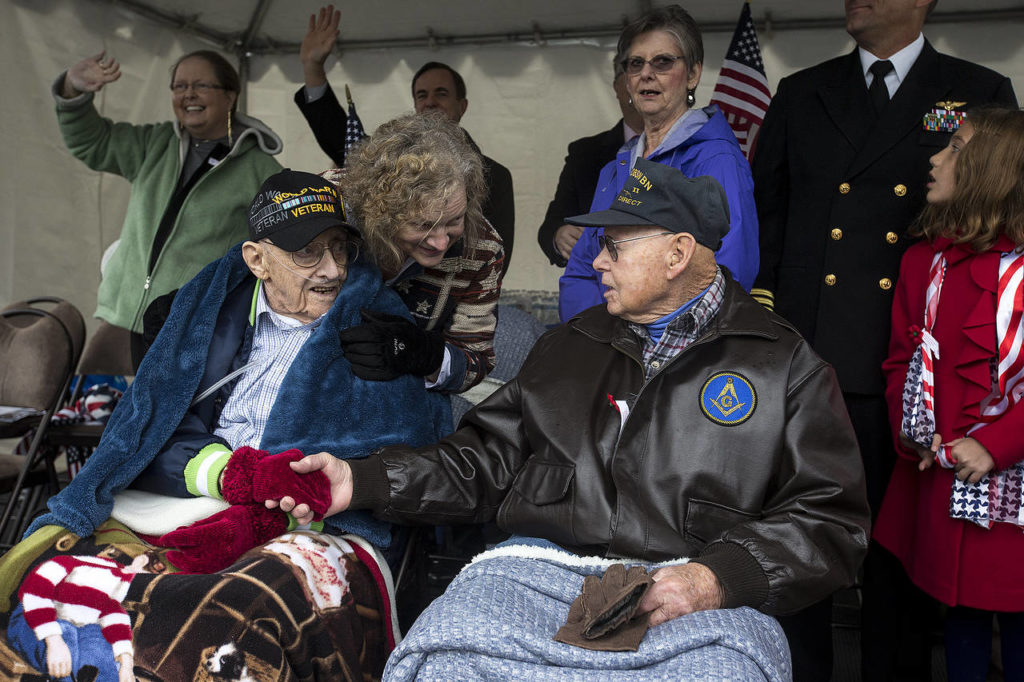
pixel 683 330
pixel 276 341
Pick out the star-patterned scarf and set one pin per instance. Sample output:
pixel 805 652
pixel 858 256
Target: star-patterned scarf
pixel 998 496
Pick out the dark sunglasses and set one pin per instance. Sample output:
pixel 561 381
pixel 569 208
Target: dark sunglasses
pixel 660 63
pixel 612 244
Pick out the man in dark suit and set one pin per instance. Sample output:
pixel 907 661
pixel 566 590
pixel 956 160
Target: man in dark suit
pixel 435 86
pixel 839 175
pixel 578 181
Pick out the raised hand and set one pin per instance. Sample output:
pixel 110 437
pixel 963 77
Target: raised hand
pixel 317 44
pixel 90 75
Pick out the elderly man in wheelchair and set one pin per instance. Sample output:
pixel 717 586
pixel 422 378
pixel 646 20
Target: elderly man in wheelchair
pixel 678 459
pixel 245 376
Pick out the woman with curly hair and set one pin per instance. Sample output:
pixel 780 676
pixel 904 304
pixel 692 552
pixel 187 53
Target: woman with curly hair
pixel 416 188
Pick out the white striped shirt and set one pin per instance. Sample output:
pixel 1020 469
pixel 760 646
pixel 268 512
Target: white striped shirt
pixel 276 340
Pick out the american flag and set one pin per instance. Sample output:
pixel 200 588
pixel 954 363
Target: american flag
pixel 742 90
pixel 354 132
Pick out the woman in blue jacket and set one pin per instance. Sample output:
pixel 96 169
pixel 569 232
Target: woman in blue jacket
pixel 662 54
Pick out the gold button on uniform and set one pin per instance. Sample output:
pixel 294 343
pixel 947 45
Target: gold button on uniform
pixel 837 234
pixel 844 188
pixel 891 237
pixel 900 190
pixel 830 280
pixel 885 284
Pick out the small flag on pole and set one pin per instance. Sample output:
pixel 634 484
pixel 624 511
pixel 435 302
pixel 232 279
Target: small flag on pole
pixel 742 90
pixel 354 132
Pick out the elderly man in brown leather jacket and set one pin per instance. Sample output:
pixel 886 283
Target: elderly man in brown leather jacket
pixel 681 419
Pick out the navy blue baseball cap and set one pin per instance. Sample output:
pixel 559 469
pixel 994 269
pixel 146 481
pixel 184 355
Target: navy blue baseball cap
pixel 293 207
pixel 657 195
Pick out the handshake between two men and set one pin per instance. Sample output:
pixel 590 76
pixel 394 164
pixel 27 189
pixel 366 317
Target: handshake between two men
pixel 252 482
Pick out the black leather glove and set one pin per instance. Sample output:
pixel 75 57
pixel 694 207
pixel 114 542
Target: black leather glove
pixel 385 347
pixel 601 618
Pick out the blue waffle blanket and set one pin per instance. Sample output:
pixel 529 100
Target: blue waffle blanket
pixel 497 619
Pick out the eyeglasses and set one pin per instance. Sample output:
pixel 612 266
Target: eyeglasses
pixel 612 244
pixel 201 88
pixel 661 63
pixel 310 255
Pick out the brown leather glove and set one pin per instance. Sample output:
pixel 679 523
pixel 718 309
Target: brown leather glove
pixel 601 618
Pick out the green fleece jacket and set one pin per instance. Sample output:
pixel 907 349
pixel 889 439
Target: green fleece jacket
pixel 212 218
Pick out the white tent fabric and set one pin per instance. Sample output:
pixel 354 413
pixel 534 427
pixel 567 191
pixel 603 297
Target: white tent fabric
pixel 527 102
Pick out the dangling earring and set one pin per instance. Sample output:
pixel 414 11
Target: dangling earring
pixel 631 101
pixel 230 142
pixel 690 98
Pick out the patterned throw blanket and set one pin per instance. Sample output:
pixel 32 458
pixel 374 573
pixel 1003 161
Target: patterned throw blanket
pixel 306 606
pixel 498 617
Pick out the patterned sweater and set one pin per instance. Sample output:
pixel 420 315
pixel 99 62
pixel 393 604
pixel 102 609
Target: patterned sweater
pixel 81 590
pixel 459 296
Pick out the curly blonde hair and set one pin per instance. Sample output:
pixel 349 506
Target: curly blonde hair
pixel 402 171
pixel 989 195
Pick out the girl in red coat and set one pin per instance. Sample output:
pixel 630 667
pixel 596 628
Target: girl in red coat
pixel 953 511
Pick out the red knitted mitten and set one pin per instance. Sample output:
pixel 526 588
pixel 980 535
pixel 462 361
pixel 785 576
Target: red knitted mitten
pixel 214 543
pixel 254 476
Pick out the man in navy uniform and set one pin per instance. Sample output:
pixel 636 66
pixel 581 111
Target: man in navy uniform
pixel 839 175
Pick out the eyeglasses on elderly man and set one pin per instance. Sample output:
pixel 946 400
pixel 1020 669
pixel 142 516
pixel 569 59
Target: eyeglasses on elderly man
pixel 612 245
pixel 343 251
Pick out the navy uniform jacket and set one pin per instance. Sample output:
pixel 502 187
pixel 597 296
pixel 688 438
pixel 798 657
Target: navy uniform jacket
pixel 836 191
pixel 576 185
pixel 327 119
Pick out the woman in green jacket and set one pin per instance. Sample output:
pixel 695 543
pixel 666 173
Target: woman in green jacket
pixel 192 180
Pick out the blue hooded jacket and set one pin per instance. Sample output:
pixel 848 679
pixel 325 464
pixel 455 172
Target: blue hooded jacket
pixel 710 149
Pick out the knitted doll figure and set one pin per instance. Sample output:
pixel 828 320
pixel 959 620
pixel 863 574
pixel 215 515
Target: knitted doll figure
pixel 70 622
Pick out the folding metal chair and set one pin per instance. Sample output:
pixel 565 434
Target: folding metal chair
pixel 40 343
pixel 106 354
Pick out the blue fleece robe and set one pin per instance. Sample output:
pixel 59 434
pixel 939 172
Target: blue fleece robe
pixel 695 148
pixel 322 405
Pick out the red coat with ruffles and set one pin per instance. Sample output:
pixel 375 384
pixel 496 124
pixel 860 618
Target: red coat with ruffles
pixel 955 561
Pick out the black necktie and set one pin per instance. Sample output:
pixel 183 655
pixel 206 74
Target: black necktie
pixel 878 92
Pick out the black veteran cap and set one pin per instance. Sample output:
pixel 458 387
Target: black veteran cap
pixel 293 207
pixel 659 195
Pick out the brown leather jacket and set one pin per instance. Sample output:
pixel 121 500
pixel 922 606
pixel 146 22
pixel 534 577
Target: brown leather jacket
pixel 766 490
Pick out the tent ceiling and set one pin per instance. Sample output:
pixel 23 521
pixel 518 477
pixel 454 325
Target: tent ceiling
pixel 278 26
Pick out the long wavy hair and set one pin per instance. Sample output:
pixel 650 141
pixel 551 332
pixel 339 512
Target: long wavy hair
pixel 989 195
pixel 402 171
